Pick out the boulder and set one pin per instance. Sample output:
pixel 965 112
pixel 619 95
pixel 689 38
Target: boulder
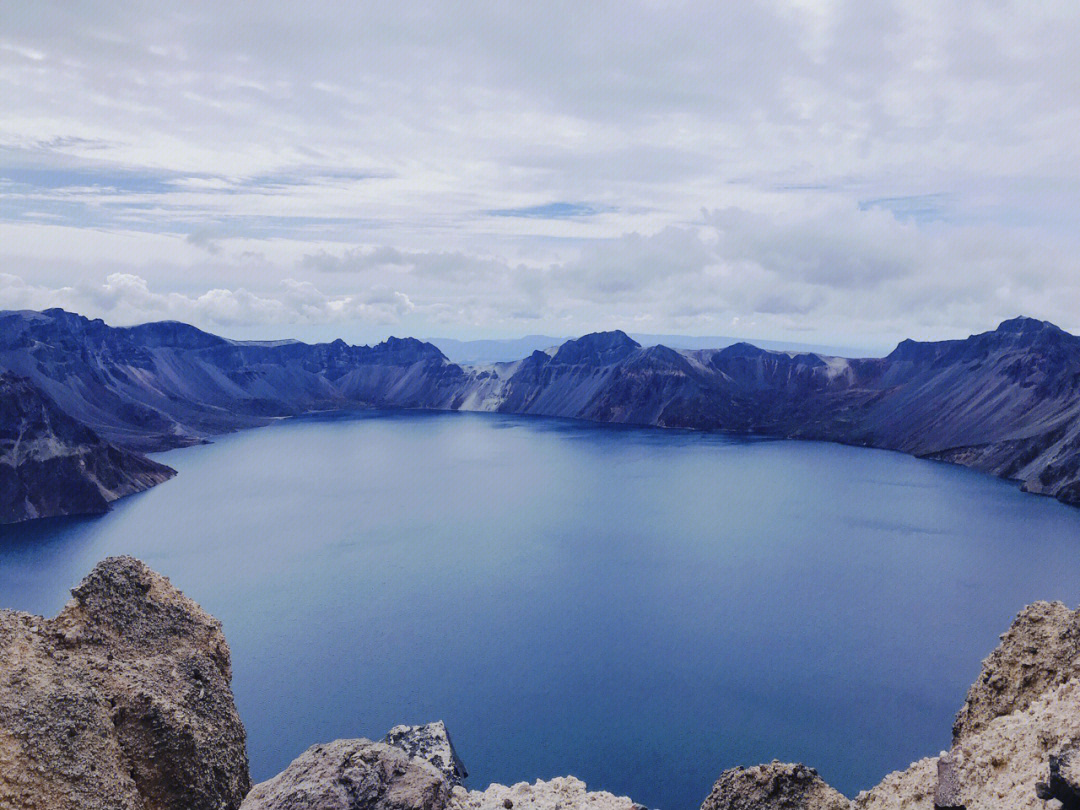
pixel 776 786
pixel 352 775
pixel 430 742
pixel 123 701
pixel 1040 651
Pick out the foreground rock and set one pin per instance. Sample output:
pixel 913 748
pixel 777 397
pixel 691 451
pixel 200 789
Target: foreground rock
pixel 430 742
pixel 1016 741
pixel 1000 766
pixel 1041 650
pixel 122 701
pixel 561 793
pixel 352 775
pixel 776 786
pixel 407 775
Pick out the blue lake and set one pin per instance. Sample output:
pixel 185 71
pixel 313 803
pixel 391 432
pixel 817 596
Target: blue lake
pixel 640 608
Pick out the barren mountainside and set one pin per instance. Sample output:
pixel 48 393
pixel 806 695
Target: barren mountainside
pixel 1003 401
pixel 50 464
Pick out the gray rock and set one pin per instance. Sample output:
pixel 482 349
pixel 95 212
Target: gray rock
pixel 352 775
pixel 1064 783
pixel 122 702
pixel 430 742
pixel 776 786
pixel 947 789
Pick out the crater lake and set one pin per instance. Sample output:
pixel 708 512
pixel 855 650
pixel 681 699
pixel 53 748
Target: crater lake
pixel 640 608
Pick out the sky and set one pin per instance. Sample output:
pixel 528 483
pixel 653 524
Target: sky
pixel 830 172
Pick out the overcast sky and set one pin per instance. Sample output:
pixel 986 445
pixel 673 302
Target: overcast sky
pixel 817 171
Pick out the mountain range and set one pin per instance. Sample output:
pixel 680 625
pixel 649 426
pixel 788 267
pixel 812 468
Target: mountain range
pixel 1003 401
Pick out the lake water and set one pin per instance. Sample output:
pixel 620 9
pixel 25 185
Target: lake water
pixel 640 608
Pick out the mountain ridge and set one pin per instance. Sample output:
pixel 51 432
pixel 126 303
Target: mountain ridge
pixel 1003 401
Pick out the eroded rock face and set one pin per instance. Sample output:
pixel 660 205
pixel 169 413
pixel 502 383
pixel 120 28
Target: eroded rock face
pixel 1040 651
pixel 776 786
pixel 123 701
pixel 352 775
pixel 431 743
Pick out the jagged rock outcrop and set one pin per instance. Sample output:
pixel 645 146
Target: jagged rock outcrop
pixel 1016 739
pixel 560 793
pixel 121 702
pixel 352 775
pixel 999 766
pixel 50 464
pixel 431 743
pixel 776 786
pixel 1041 650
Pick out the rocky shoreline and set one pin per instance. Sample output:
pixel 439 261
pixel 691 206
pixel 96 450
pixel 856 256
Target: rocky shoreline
pixel 123 702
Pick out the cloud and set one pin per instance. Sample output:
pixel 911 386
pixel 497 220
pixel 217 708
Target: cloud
pixel 878 167
pixel 125 298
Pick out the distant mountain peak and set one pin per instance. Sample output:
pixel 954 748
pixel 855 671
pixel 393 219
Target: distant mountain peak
pixel 1025 325
pixel 742 349
pixel 596 348
pixel 410 349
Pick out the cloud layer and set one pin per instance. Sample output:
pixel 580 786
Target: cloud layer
pixel 858 171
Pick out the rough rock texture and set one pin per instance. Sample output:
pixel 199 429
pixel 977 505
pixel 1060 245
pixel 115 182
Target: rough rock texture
pixel 1064 780
pixel 948 794
pixel 1017 739
pixel 776 786
pixel 561 793
pixel 1000 765
pixel 352 775
pixel 50 464
pixel 430 742
pixel 121 702
pixel 1040 650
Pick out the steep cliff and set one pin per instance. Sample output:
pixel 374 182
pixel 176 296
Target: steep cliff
pixel 50 464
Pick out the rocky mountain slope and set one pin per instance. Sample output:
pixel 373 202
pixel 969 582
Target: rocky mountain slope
pixel 123 701
pixel 167 384
pixel 1006 402
pixel 51 464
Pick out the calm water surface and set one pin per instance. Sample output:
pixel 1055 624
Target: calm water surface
pixel 641 608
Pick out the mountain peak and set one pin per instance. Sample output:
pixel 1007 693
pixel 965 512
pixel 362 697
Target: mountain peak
pixel 596 348
pixel 1025 325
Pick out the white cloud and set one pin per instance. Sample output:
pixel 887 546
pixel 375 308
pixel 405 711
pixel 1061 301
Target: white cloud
pixel 880 168
pixel 125 298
